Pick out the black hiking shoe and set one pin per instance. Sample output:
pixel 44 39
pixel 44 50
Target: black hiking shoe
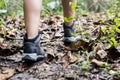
pixel 32 50
pixel 68 37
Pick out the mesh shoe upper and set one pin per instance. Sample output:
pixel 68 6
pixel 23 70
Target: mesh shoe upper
pixel 31 48
pixel 68 31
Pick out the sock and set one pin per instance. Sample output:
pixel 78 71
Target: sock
pixel 68 30
pixel 30 40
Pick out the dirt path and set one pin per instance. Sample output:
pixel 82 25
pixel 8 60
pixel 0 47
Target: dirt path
pixel 60 63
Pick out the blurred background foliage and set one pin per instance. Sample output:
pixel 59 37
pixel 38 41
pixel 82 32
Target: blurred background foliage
pixel 15 7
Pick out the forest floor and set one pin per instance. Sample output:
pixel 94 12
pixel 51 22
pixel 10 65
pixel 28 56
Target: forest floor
pixel 91 58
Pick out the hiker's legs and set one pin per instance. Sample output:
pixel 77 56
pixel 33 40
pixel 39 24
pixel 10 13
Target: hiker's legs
pixel 69 11
pixel 69 26
pixel 32 49
pixel 32 17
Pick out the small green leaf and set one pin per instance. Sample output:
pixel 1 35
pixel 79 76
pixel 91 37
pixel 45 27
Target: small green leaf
pixel 74 4
pixel 119 14
pixel 113 42
pixel 85 65
pixel 117 21
pixel 103 28
pixel 118 72
pixel 85 32
pixel 117 29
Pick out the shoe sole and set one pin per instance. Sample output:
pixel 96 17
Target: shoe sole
pixel 32 57
pixel 68 40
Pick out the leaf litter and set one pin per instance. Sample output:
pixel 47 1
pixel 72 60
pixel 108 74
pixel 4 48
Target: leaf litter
pixel 88 59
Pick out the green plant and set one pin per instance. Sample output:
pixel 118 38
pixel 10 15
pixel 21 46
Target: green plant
pixel 109 33
pixel 2 4
pixel 85 65
pixel 51 7
pixel 111 13
pixel 113 42
pixel 118 72
pixel 11 7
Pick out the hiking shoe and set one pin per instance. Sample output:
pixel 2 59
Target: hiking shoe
pixel 32 50
pixel 68 34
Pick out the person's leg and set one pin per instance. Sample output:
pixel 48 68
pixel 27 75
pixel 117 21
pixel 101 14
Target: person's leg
pixel 32 49
pixel 69 26
pixel 32 17
pixel 69 11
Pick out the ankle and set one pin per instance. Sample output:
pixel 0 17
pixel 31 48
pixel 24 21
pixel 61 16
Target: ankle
pixel 68 27
pixel 68 23
pixel 68 30
pixel 31 35
pixel 32 39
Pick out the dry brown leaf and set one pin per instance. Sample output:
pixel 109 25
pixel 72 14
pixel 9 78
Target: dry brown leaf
pixel 68 58
pixel 58 34
pixel 12 32
pixel 102 54
pixel 99 63
pixel 50 52
pixel 5 45
pixel 6 74
pixel 72 57
pixel 1 40
pixel 4 29
pixel 115 66
pixel 78 44
pixel 65 60
pixel 98 47
pixel 20 68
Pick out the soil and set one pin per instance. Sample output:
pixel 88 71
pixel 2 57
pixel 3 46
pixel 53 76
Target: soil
pixel 61 62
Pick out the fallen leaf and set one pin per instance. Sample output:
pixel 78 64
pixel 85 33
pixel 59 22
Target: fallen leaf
pixel 118 48
pixel 50 51
pixel 112 72
pixel 50 54
pixel 98 47
pixel 5 45
pixel 65 60
pixel 102 54
pixel 99 63
pixel 12 32
pixel 115 67
pixel 58 34
pixel 1 40
pixel 72 58
pixel 79 44
pixel 68 58
pixel 6 74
